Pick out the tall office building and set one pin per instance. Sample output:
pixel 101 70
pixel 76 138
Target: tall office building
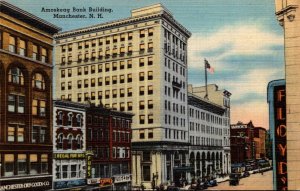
pixel 288 15
pixel 26 44
pixel 137 64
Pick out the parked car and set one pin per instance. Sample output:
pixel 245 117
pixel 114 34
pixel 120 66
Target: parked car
pixel 246 174
pixel 234 179
pixel 212 183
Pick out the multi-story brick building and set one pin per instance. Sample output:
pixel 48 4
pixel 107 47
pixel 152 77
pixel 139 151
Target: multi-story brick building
pixel 209 131
pixel 25 94
pixel 109 138
pixel 288 15
pixel 69 145
pixel 137 64
pixel 242 142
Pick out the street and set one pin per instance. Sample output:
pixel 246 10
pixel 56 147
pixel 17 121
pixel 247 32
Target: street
pixel 253 182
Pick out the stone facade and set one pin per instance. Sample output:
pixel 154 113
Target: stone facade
pixel 288 15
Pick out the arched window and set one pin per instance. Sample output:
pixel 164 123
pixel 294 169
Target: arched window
pixel 60 138
pixel 15 76
pixel 70 139
pixel 38 81
pixel 78 119
pixel 70 116
pixel 79 144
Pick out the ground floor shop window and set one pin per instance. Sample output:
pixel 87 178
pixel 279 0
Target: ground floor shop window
pixel 69 169
pixel 9 165
pixel 22 164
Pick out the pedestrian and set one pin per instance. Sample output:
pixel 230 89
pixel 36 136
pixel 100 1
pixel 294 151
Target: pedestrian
pixel 143 187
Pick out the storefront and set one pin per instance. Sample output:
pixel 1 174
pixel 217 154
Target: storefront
pixel 33 183
pixel 122 182
pixel 118 183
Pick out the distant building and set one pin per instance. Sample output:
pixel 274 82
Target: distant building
pixel 242 142
pixel 109 139
pixel 209 131
pixel 26 45
pixel 260 134
pixel 69 145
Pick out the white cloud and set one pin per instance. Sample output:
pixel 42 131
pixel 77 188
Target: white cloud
pixel 238 39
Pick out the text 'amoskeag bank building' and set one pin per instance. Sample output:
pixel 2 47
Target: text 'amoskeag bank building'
pixel 137 64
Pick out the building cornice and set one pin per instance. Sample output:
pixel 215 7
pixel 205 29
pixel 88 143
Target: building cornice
pixel 121 22
pixel 204 104
pixel 27 17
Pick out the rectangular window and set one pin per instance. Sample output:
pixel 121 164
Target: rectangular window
pixel 22 166
pixel 122 92
pixel 44 163
pixel 107 94
pixel 107 81
pixel 150 118
pixel 100 95
pixel 150 104
pixel 142 105
pixel 142 33
pixel 44 55
pixel 150 61
pixel 93 82
pixel 150 133
pixel 129 50
pixel 21 134
pixel 129 106
pixel 99 68
pixel 12 44
pixel 150 32
pixel 122 78
pixel 22 48
pixel 142 48
pixel 142 134
pixel 34 52
pixel 11 133
pixel 142 63
pixel 129 92
pixel 142 119
pixel 114 92
pixel 42 135
pixel 33 164
pixel 79 97
pixel 100 81
pixel 122 65
pixel 142 90
pixel 11 103
pixel 150 90
pixel 142 76
pixel 107 66
pixel 34 134
pixel 79 84
pixel 150 75
pixel 9 165
pixel 150 47
pixel 129 64
pixel 130 36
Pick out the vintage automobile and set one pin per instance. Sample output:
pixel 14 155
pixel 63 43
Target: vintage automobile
pixel 234 179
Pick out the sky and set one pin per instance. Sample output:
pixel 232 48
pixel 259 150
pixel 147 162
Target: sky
pixel 241 39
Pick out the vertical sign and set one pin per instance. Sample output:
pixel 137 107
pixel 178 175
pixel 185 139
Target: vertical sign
pixel 280 137
pixel 89 155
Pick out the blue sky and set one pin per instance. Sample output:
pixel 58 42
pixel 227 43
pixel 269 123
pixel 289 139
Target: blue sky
pixel 241 39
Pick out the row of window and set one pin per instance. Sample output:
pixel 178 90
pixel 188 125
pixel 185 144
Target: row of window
pixel 121 136
pixel 142 119
pixel 175 121
pixel 74 169
pixel 73 120
pixel 100 41
pixel 206 141
pixel 205 116
pixel 24 164
pixel 175 93
pixel 107 67
pixel 173 43
pixel 175 107
pixel 106 54
pixel 69 142
pixel 205 129
pixel 177 134
pixel 114 80
pixel 16 76
pixel 175 67
pixel 120 152
pixel 17 133
pixel 111 93
pixel 20 46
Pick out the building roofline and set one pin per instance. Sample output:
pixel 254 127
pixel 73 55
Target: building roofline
pixel 205 104
pixel 28 17
pixel 118 22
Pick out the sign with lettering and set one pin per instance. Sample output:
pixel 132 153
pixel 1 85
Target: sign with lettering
pixel 105 182
pixel 40 185
pixel 89 157
pixel 122 178
pixel 69 155
pixel 280 137
pixel 93 181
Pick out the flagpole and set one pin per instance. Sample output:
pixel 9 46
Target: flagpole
pixel 206 95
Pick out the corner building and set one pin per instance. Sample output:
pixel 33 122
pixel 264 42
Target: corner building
pixel 26 44
pixel 139 65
